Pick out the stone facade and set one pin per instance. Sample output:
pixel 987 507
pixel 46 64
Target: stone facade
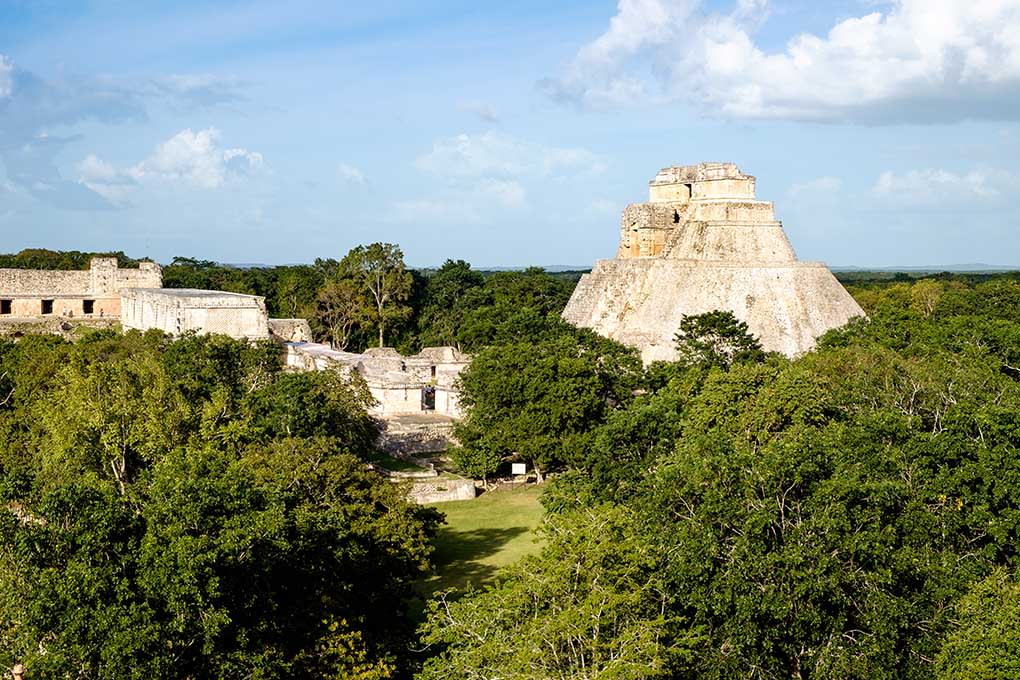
pixel 290 330
pixel 180 310
pixel 442 491
pixel 90 294
pixel 424 382
pixel 704 242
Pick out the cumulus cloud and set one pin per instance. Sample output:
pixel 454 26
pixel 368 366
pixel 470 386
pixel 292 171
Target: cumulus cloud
pixel 32 106
pixel 104 179
pixel 938 187
pixel 348 174
pixel 196 159
pixel 191 159
pixel 921 60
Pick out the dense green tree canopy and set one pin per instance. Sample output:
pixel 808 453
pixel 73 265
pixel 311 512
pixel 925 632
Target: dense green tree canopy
pixel 715 339
pixel 832 516
pixel 985 643
pixel 184 509
pixel 541 400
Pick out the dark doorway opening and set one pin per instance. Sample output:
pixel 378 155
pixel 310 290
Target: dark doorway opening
pixel 5 306
pixel 47 306
pixel 88 306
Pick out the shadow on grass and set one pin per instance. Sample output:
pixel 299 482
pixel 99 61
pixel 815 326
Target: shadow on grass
pixel 460 556
pixel 459 561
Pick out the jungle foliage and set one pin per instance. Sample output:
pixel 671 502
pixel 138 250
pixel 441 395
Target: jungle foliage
pixel 851 513
pixel 185 509
pixel 370 296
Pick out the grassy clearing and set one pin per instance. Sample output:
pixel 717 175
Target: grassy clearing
pixel 482 535
pixel 393 464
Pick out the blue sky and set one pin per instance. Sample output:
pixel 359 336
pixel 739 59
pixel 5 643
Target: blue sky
pixel 507 133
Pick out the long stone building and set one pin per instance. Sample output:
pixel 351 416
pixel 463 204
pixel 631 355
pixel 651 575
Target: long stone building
pixel 181 310
pixel 53 300
pixel 703 242
pixel 92 293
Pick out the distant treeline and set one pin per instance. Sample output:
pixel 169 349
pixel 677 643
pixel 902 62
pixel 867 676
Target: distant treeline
pixel 41 258
pixel 452 305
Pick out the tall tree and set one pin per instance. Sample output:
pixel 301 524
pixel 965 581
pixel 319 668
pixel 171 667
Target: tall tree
pixel 340 307
pixel 716 339
pixel 379 270
pixel 443 312
pixel 541 401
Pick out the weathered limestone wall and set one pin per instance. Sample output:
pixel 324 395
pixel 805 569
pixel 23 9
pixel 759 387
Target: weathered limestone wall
pixel 43 283
pixel 102 279
pixel 729 241
pixel 720 249
pixel 641 302
pixel 702 181
pixel 442 491
pixel 177 311
pixel 29 293
pixel 397 382
pixel 397 399
pixel 411 437
pixel 290 330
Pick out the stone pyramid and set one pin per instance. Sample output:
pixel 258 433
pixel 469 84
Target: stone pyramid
pixel 701 243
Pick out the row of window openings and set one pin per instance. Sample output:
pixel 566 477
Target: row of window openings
pixel 46 307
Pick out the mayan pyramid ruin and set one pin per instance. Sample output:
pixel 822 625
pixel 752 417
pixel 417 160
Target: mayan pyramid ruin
pixel 701 243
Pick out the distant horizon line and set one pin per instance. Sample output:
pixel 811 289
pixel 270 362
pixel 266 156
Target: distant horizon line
pixel 972 267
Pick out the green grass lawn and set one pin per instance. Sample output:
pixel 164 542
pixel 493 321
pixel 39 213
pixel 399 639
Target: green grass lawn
pixel 393 464
pixel 482 535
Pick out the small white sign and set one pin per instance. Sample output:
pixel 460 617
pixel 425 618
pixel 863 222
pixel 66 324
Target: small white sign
pixel 519 468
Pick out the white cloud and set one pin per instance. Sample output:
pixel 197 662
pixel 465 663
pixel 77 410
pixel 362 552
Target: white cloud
pixel 193 159
pixel 485 173
pixel 920 60
pixel 934 186
pixel 348 174
pixel 492 155
pixel 6 67
pixel 486 112
pixel 196 158
pixel 94 169
pixel 104 179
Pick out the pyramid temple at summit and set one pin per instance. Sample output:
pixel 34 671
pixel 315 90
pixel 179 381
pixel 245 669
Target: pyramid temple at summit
pixel 703 242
